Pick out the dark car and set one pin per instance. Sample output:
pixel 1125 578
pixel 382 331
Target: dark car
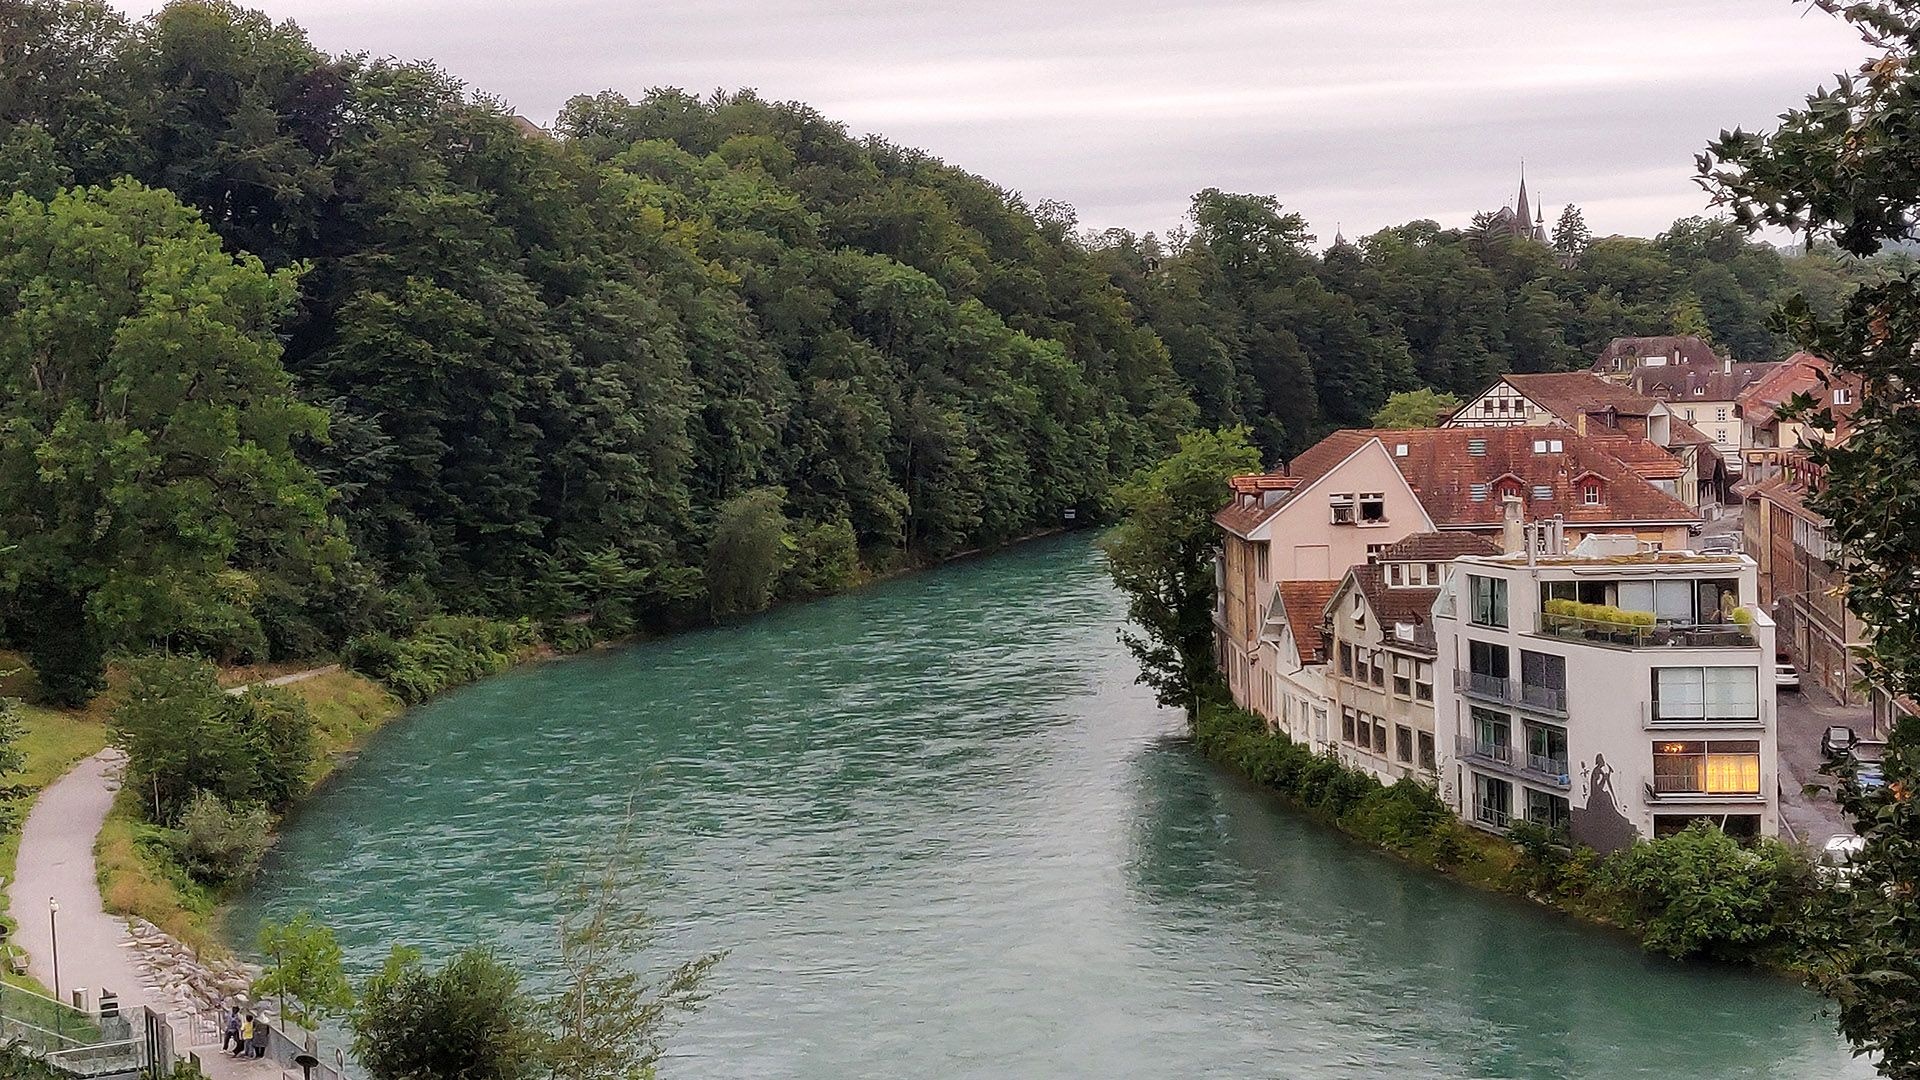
pixel 1836 740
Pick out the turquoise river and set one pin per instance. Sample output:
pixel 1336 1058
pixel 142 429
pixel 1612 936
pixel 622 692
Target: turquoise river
pixel 941 833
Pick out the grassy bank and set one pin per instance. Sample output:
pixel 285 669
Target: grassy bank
pixel 138 868
pixel 1699 894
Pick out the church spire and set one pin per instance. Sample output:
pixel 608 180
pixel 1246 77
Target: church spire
pixel 1522 213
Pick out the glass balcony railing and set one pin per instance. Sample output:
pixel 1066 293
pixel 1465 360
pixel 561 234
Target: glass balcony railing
pixel 1511 758
pixel 1635 635
pixel 1505 691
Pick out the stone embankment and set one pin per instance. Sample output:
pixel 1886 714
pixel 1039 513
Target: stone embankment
pixel 182 982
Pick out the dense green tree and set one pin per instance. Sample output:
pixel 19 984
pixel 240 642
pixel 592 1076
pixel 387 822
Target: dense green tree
pixel 1844 167
pixel 1570 234
pixel 149 482
pixel 748 551
pixel 1161 555
pixel 467 1020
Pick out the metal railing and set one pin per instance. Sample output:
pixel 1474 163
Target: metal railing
pixel 44 1024
pixel 1491 816
pixel 1638 636
pixel 1506 691
pixel 1533 766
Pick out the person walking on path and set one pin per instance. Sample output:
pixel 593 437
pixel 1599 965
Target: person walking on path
pixel 259 1039
pixel 230 1040
pixel 246 1036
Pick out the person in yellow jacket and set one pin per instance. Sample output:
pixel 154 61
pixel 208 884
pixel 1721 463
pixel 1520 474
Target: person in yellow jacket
pixel 246 1036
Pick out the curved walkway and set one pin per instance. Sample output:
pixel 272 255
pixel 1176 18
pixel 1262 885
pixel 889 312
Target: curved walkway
pixel 56 861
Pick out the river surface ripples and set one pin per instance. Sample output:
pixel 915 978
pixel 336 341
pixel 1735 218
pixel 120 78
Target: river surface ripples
pixel 941 833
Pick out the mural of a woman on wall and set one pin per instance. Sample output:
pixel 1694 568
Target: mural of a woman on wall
pixel 1598 821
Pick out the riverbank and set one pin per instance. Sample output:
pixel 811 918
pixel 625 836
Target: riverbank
pixel 1696 895
pixel 139 875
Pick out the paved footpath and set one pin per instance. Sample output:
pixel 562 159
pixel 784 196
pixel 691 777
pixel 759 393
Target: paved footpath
pixel 56 860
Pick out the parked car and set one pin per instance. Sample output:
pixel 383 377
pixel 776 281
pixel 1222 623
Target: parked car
pixel 1836 740
pixel 1836 858
pixel 1785 676
pixel 1719 544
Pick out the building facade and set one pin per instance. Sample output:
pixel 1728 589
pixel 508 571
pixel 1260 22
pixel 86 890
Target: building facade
pixel 1611 691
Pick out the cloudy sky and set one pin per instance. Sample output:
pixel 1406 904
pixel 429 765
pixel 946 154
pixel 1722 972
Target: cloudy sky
pixel 1357 113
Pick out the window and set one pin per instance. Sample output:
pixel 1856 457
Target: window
pixel 1492 729
pixel 1546 748
pixel 1427 759
pixel 1346 660
pixel 1706 768
pixel 1706 695
pixel 1423 681
pixel 1842 396
pixel 1373 507
pixel 1542 492
pixel 1380 736
pixel 1374 551
pixel 1543 671
pixel 1395 574
pixel 1488 659
pixel 1403 676
pixel 1548 810
pixel 1547 446
pixel 1720 414
pixel 1477 492
pixel 1346 724
pixel 1399 449
pixel 1487 600
pixel 1433 573
pixel 1476 447
pixel 1590 493
pixel 1403 743
pixel 1688 414
pixel 1379 670
pixel 1341 506
pixel 1720 437
pixel 1492 801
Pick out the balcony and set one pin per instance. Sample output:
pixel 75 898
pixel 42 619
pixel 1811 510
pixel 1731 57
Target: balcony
pixel 1503 691
pixel 1634 635
pixel 1663 789
pixel 1511 759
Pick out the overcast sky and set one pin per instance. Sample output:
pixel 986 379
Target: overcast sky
pixel 1357 113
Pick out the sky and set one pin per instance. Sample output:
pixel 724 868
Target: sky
pixel 1356 113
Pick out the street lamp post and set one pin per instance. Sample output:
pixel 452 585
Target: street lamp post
pixel 53 928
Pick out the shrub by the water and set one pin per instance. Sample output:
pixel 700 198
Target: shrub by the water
pixel 444 652
pixel 1697 893
pixel 218 843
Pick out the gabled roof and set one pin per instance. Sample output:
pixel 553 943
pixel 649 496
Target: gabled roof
pixel 1257 498
pixel 1647 461
pixel 1568 394
pixel 1392 606
pixel 1302 604
pixel 1438 547
pixel 1681 433
pixel 1683 383
pixel 1625 353
pixel 1443 468
pixel 1801 373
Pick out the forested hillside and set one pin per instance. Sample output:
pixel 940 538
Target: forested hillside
pixel 677 359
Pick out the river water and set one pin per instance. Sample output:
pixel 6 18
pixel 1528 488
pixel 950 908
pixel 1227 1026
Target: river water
pixel 941 833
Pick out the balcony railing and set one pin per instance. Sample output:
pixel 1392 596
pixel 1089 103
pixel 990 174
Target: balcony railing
pixel 1492 817
pixel 1550 699
pixel 1533 766
pixel 1637 636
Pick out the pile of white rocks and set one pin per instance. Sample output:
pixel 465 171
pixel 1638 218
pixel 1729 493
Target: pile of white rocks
pixel 181 981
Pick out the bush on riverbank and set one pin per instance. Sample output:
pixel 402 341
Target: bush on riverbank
pixel 443 652
pixel 1700 893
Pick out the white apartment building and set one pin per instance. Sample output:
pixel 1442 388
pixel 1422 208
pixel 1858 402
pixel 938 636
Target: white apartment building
pixel 1612 691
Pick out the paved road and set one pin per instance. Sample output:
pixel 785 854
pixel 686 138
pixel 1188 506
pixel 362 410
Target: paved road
pixel 1801 716
pixel 56 860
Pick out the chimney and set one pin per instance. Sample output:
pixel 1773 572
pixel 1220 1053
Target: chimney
pixel 1726 366
pixel 1580 424
pixel 1513 539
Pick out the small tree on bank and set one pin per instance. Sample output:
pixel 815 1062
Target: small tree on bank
pixel 468 1020
pixel 1161 556
pixel 304 971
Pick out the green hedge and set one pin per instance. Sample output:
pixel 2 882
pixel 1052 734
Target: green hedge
pixel 444 652
pixel 1700 893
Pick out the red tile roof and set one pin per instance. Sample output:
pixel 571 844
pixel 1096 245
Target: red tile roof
pixel 1446 474
pixel 1649 462
pixel 1393 605
pixel 1303 604
pixel 1685 434
pixel 1569 394
pixel 1438 547
pixel 1801 373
